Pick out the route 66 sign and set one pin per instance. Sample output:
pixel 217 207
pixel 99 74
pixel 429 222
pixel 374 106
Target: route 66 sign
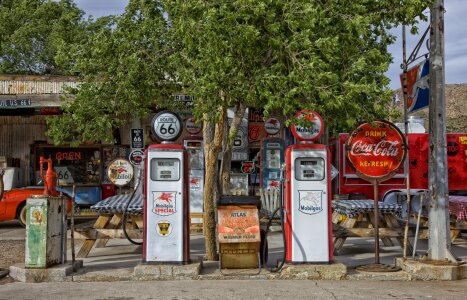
pixel 166 126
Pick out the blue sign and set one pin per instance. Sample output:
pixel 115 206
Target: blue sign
pixel 418 86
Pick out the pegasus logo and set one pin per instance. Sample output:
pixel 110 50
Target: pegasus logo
pixel 167 197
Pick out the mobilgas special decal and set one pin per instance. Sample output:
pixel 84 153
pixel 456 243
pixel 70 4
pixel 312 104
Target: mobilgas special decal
pixel 164 203
pixel 164 228
pixel 195 183
pixel 310 202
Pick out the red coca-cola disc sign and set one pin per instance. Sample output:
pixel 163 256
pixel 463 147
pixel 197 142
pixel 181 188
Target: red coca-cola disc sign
pixel 376 150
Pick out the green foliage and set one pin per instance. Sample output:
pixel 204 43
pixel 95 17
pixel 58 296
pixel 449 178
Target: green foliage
pixel 126 69
pixel 32 33
pixel 328 56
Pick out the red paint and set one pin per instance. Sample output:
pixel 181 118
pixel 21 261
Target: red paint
pixel 376 150
pixel 348 182
pixel 12 200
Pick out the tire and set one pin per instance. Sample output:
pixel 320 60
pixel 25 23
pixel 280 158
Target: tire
pixel 21 214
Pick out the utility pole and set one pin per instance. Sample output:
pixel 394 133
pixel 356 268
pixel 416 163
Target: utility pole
pixel 439 233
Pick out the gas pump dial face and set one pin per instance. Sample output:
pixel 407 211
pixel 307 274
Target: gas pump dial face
pixel 166 126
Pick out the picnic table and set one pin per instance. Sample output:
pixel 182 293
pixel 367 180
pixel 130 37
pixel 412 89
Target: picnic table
pixel 108 224
pixel 355 218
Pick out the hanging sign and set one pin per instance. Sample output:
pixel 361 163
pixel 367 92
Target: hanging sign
pixel 311 133
pixel 120 172
pixel 272 126
pixel 136 157
pixel 192 127
pixel 376 150
pixel 166 126
pixel 248 167
pixel 137 138
pixel 418 86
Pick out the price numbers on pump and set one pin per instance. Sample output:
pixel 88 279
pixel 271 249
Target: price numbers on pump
pixel 166 126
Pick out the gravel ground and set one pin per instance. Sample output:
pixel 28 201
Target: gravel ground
pixel 12 252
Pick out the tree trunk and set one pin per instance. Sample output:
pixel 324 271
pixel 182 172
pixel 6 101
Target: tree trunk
pixel 212 145
pixel 227 148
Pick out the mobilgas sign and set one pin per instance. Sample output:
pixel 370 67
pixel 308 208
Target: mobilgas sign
pixel 312 132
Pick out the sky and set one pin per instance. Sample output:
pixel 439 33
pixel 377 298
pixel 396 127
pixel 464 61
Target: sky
pixel 455 19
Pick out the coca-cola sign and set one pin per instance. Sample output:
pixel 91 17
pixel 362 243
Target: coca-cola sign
pixel 312 132
pixel 376 150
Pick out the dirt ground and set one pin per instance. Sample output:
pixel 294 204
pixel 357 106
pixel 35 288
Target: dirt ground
pixel 12 252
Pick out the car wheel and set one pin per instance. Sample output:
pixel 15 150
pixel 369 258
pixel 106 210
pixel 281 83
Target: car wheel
pixel 21 214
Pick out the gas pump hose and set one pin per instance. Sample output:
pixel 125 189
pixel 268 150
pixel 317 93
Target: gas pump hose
pixel 281 264
pixel 125 211
pixel 124 220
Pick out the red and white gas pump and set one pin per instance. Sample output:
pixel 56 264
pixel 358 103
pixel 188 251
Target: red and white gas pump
pixel 166 236
pixel 308 228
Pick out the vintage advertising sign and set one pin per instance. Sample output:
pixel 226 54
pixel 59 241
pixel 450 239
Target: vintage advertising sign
pixel 418 86
pixel 272 126
pixel 376 150
pixel 247 167
pixel 192 127
pixel 137 138
pixel 311 133
pixel 136 157
pixel 120 172
pixel 164 203
pixel 238 224
pixel 166 126
pixel 310 202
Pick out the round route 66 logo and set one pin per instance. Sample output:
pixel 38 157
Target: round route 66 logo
pixel 166 126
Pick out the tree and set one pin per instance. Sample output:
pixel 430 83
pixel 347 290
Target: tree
pixel 125 65
pixel 328 56
pixel 34 32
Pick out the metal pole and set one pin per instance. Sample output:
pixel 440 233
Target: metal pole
pixel 439 239
pixel 376 217
pixel 406 129
pixel 422 198
pixel 72 229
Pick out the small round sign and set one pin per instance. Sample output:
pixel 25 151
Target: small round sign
pixel 136 157
pixel 376 150
pixel 192 127
pixel 166 126
pixel 309 134
pixel 272 126
pixel 120 172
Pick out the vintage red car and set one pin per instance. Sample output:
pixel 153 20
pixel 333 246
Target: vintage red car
pixel 13 203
